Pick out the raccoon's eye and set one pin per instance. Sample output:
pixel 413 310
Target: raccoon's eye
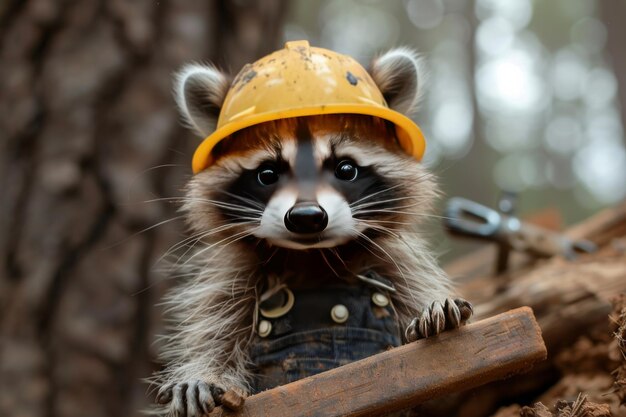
pixel 346 170
pixel 267 175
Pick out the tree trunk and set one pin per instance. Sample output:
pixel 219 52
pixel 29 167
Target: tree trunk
pixel 89 133
pixel 614 17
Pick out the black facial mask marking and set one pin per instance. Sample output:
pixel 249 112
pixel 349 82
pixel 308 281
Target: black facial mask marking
pixel 367 183
pixel 246 191
pixel 373 189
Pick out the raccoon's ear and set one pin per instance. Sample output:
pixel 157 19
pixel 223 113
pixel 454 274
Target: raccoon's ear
pixel 398 74
pixel 200 91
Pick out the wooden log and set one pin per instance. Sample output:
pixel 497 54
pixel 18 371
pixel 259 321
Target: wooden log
pixel 570 300
pixel 476 283
pixel 480 352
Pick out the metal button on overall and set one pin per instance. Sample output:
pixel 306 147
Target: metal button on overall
pixel 265 328
pixel 380 299
pixel 309 339
pixel 339 313
pixel 278 304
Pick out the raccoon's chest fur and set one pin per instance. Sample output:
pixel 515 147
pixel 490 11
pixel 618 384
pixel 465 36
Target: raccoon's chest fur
pixel 302 269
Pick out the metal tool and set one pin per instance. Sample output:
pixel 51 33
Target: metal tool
pixel 467 218
pixel 506 205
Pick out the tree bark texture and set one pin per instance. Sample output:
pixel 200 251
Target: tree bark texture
pixel 613 12
pixel 89 134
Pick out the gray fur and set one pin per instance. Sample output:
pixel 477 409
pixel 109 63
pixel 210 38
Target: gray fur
pixel 398 74
pixel 200 91
pixel 213 309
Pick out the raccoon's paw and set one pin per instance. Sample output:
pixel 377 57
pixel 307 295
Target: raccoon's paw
pixel 450 314
pixel 196 398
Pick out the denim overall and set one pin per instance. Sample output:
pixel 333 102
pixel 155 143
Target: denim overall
pixel 308 339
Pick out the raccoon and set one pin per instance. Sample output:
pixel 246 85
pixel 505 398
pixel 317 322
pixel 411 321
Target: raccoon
pixel 298 226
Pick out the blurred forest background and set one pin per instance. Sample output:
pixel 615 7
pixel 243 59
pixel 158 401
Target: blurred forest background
pixel 525 96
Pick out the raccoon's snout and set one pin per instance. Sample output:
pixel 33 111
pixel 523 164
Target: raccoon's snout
pixel 306 217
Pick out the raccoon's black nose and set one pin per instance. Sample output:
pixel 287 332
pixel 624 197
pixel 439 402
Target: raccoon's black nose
pixel 306 217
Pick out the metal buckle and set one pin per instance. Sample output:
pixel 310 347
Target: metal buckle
pixel 280 311
pixel 468 218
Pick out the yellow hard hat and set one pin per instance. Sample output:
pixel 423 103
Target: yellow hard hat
pixel 301 80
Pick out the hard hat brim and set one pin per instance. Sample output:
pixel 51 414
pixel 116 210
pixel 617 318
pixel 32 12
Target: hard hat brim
pixel 409 134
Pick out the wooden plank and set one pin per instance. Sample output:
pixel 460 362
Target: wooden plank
pixel 480 352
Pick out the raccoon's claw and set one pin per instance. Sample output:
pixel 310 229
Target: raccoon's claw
pixel 450 314
pixel 196 399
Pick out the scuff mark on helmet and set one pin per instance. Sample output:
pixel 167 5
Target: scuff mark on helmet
pixel 246 75
pixel 351 78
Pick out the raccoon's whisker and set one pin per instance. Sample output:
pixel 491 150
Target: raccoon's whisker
pixel 366 247
pixel 402 276
pixel 356 203
pixel 198 237
pixel 393 211
pixel 335 252
pixel 221 204
pixel 178 245
pixel 374 194
pixel 432 216
pixel 127 238
pixel 192 246
pixel 203 250
pixel 251 219
pixel 267 261
pixel 240 237
pixel 225 307
pixel 160 166
pixel 328 263
pixel 417 203
pixel 390 211
pixel 242 210
pixel 367 203
pixel 229 239
pixel 364 236
pixel 220 243
pixel 254 203
pixel 235 207
pixel 235 238
pixel 375 203
pixel 258 242
pixel 369 250
pixel 382 229
pixel 376 221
